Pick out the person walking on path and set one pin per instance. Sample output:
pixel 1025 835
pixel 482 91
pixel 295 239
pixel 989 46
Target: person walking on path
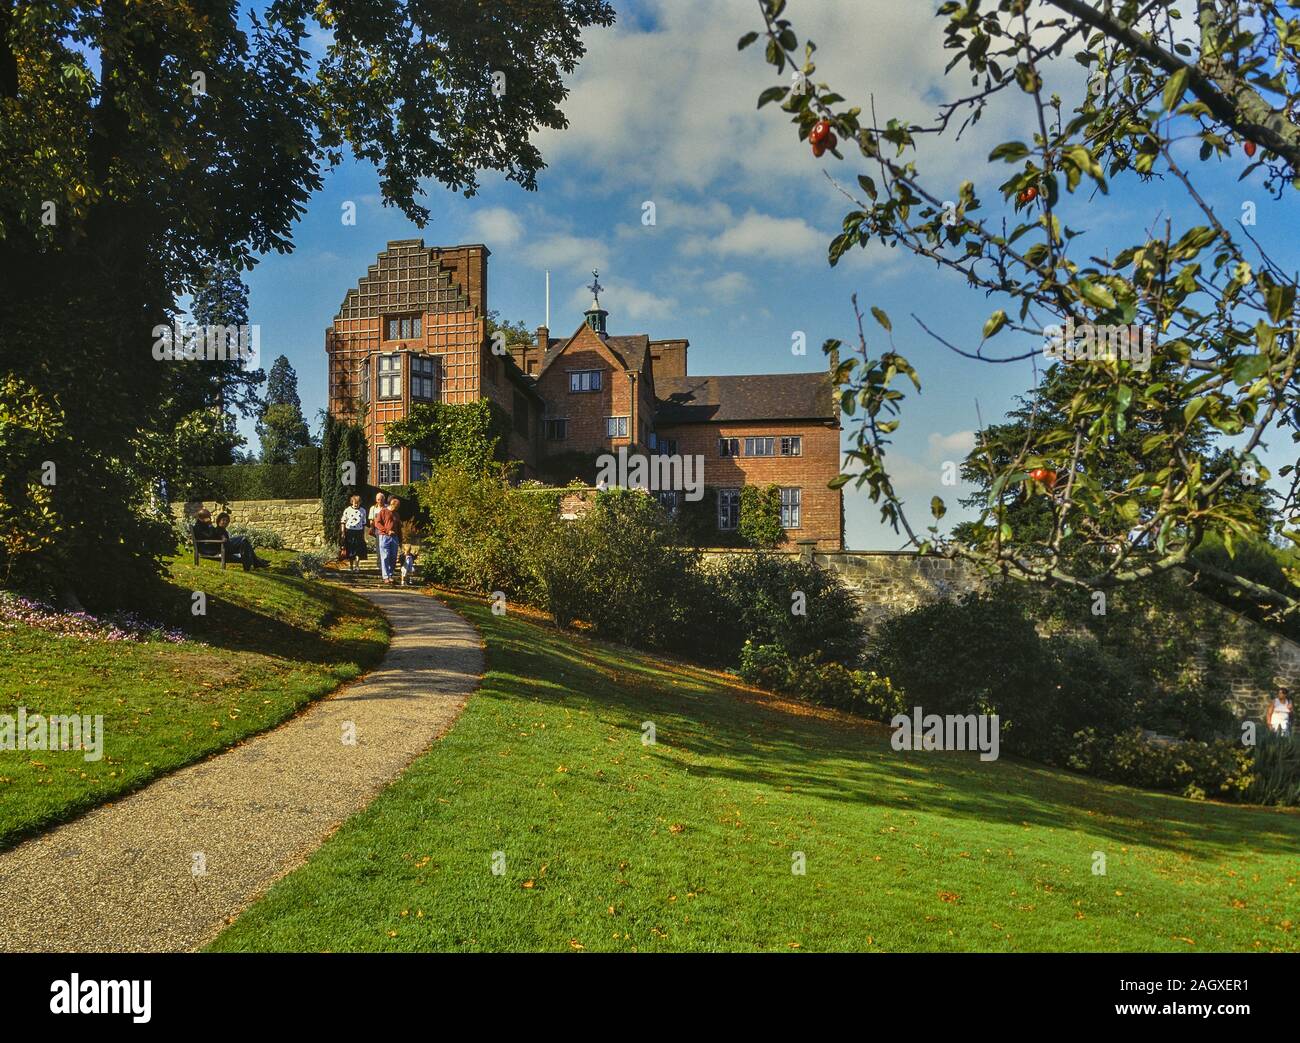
pixel 375 508
pixel 1280 712
pixel 352 527
pixel 388 526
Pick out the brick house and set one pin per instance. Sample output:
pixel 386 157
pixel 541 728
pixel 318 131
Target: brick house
pixel 414 330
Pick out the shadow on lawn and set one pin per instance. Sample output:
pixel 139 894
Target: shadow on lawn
pixel 238 627
pixel 749 742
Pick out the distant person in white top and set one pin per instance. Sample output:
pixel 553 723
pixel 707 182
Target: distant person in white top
pixel 1280 712
pixel 352 526
pixel 381 501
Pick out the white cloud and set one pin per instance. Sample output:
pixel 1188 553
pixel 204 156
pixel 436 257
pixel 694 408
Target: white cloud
pixel 498 227
pixel 625 301
pixel 561 251
pixel 666 104
pixel 727 286
pixel 954 446
pixel 760 235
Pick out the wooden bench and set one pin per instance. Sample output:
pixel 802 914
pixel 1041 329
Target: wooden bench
pixel 197 556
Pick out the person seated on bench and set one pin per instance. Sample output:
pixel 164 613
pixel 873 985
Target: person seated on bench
pixel 207 541
pixel 239 548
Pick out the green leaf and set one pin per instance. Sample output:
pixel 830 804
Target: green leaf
pixel 1175 87
pixel 996 321
pixel 772 94
pixel 881 318
pixel 1097 295
pixel 937 508
pixel 746 40
pixel 1010 151
pixel 1248 367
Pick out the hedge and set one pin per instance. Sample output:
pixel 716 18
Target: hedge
pixel 299 480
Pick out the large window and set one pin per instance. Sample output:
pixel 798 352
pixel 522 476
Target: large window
pixel 424 378
pixel 390 465
pixel 403 327
pixel 728 509
pixel 666 446
pixel 584 380
pixel 557 428
pixel 728 446
pixel 790 503
pixel 759 446
pixel 420 466
pixel 390 376
pixel 365 381
pixel 792 445
pixel 615 427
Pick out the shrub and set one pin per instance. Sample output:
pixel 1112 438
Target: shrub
pixel 1275 770
pixel 1221 768
pixel 469 436
pixel 964 657
pixel 823 684
pixel 310 564
pixel 263 539
pixel 641 587
pixel 754 597
pixel 765 666
pixel 485 535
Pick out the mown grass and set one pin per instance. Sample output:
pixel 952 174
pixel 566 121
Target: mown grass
pixel 270 643
pixel 689 844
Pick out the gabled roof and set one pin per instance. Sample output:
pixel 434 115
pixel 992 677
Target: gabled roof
pixel 632 351
pixel 766 396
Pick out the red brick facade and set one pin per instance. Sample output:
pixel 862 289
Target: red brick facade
pixel 588 394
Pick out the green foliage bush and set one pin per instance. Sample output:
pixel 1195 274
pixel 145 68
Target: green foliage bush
pixel 830 684
pixel 755 597
pixel 1276 769
pixel 310 564
pixel 484 535
pixel 638 584
pixel 299 480
pixel 1221 768
pixel 267 539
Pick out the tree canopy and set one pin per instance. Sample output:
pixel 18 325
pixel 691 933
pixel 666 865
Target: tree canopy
pixel 1219 309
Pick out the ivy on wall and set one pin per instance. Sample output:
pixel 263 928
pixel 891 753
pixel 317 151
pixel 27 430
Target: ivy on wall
pixel 468 436
pixel 760 517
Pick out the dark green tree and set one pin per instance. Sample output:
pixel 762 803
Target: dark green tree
pixel 145 141
pixel 281 425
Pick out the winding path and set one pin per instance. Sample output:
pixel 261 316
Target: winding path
pixel 126 877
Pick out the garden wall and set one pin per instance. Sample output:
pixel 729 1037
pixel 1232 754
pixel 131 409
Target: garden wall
pixel 298 522
pixel 1250 660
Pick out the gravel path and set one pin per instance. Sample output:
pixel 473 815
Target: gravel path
pixel 125 877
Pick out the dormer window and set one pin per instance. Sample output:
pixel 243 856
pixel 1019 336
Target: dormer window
pixel 402 327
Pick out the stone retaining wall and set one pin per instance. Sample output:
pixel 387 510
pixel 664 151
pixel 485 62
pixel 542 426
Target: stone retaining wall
pixel 890 582
pixel 298 522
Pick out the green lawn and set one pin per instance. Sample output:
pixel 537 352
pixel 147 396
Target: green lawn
pixel 688 844
pixel 270 643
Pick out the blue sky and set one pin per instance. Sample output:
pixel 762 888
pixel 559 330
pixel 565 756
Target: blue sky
pixel 663 110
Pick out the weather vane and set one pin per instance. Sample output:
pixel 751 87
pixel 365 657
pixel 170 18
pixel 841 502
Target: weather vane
pixel 595 286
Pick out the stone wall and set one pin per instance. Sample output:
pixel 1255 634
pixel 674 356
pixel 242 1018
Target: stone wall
pixel 889 582
pixel 298 522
